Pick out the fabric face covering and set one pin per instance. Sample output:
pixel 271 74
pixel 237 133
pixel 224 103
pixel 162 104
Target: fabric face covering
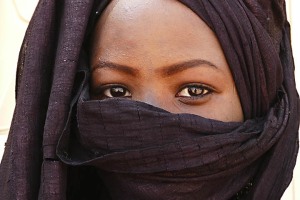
pixel 144 152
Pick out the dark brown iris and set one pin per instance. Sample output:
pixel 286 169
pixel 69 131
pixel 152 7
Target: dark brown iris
pixel 195 91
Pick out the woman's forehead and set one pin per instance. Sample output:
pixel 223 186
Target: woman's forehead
pixel 152 28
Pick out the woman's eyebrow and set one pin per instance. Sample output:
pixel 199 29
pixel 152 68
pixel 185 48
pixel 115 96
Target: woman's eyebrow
pixel 164 71
pixel 181 66
pixel 117 67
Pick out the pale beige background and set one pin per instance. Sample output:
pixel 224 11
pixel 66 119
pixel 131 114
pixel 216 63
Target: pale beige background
pixel 14 18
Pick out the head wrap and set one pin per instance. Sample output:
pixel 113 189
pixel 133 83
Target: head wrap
pixel 143 152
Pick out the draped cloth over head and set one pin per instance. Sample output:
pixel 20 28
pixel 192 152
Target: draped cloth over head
pixel 56 151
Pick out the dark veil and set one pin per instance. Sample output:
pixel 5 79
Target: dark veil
pixel 52 66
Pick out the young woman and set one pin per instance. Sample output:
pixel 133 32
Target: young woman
pixel 154 99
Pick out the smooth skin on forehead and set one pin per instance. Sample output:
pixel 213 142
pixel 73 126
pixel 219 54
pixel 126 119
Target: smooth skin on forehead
pixel 161 53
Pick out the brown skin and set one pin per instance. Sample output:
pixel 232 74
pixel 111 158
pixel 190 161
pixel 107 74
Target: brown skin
pixel 161 53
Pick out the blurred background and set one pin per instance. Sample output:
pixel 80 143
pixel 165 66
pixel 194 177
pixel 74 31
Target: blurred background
pixel 14 19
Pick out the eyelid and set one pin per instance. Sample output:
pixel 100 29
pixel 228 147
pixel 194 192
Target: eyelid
pixel 99 90
pixel 207 87
pixel 196 99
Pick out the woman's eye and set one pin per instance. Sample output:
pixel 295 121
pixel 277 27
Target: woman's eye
pixel 115 91
pixel 194 91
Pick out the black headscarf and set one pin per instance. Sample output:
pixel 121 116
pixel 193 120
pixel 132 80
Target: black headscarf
pixel 137 151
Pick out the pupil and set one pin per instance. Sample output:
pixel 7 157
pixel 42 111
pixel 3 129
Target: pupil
pixel 117 92
pixel 194 91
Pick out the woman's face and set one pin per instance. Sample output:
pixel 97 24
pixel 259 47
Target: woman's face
pixel 161 53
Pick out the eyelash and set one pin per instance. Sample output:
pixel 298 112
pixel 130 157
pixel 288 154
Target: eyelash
pixel 105 91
